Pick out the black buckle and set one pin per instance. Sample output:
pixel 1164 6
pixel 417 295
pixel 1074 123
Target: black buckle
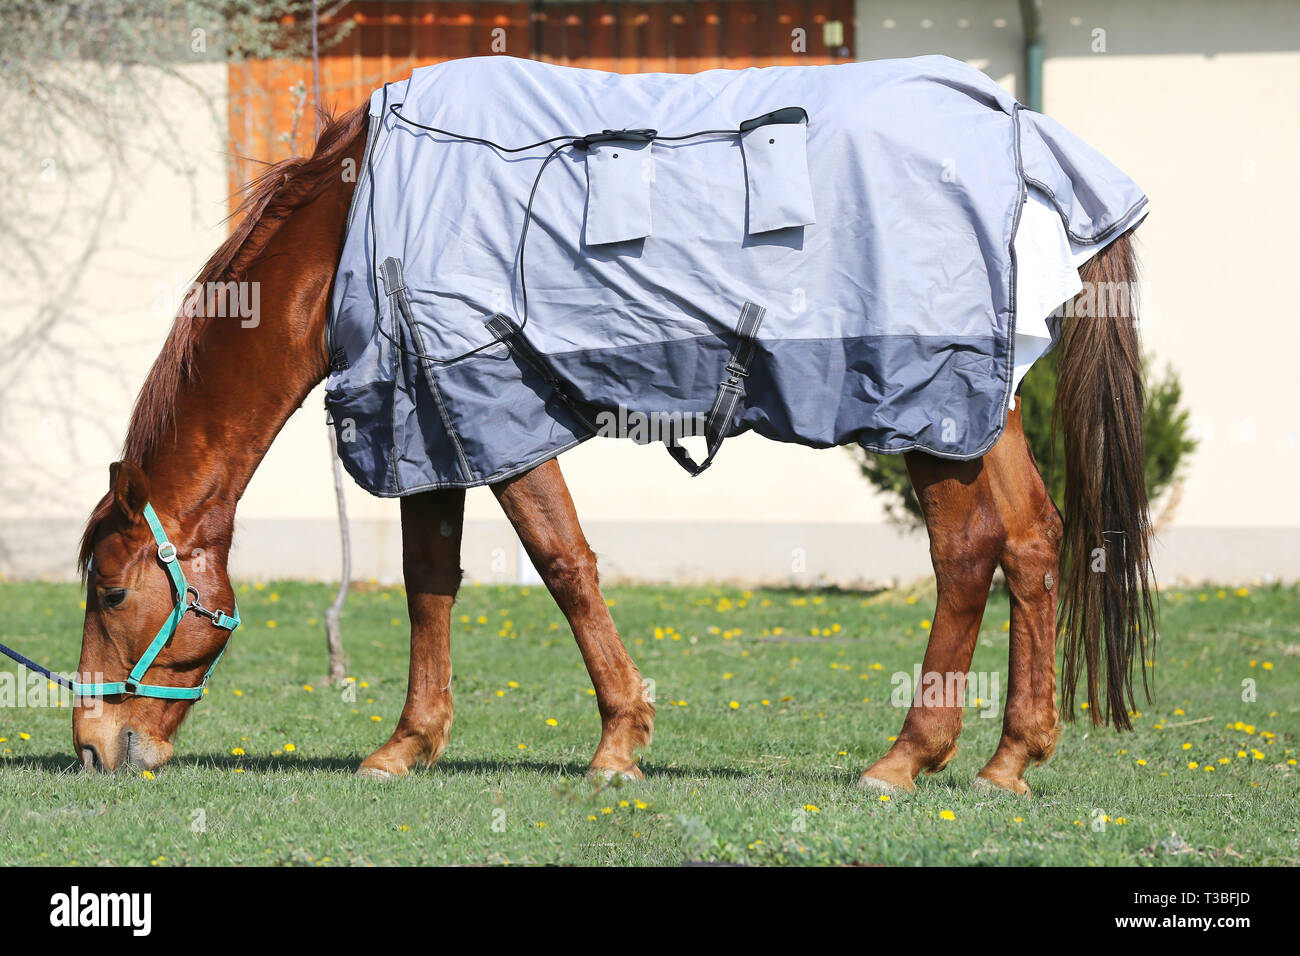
pixel 787 116
pixel 616 135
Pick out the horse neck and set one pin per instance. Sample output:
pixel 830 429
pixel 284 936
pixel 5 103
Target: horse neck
pixel 250 374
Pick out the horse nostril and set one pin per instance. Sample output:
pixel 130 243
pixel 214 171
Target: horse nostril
pixel 90 759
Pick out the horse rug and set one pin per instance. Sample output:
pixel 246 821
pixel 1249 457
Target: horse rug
pixel 536 255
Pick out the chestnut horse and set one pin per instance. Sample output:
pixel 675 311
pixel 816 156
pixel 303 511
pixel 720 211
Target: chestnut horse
pixel 219 393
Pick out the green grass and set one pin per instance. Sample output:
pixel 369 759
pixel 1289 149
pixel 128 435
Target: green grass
pixel 723 783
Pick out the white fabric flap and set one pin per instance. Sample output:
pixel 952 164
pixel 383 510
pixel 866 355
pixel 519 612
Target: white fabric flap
pixel 776 170
pixel 619 176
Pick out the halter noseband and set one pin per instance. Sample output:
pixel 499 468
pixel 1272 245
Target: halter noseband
pixel 133 684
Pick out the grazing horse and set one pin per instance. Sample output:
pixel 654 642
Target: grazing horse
pixel 218 394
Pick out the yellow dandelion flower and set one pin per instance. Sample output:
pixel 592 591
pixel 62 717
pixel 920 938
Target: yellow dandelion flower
pixel 884 798
pixel 552 722
pixel 734 705
pixel 23 736
pixel 237 751
pixel 289 748
pixel 148 774
pixel 947 815
pixel 1193 765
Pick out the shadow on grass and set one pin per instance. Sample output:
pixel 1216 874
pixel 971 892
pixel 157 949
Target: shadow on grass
pixel 67 766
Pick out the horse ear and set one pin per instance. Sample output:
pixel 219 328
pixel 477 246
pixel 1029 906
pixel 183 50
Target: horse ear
pixel 130 488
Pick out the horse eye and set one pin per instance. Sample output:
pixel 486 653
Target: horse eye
pixel 113 598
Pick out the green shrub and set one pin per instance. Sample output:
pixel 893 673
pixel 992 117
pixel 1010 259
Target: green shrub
pixel 1166 433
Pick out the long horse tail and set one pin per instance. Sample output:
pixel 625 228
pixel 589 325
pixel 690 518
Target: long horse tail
pixel 1107 597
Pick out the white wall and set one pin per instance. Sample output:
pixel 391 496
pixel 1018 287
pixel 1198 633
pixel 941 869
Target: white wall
pixel 1197 101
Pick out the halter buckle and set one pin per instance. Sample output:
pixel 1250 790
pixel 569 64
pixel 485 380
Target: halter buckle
pixel 166 552
pixel 214 617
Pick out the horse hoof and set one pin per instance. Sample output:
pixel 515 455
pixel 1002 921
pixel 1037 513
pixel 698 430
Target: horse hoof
pixel 375 773
pixel 884 787
pixel 990 786
pixel 606 775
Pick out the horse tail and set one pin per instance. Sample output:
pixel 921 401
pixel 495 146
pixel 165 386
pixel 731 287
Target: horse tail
pixel 1107 606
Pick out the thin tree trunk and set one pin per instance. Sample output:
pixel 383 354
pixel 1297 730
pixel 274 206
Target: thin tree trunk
pixel 333 637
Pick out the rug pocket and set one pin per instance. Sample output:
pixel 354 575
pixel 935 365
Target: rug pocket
pixel 776 170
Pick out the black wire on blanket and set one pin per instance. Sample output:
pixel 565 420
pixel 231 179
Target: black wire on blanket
pixel 565 141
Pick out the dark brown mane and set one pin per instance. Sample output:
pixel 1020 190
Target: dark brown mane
pixel 266 203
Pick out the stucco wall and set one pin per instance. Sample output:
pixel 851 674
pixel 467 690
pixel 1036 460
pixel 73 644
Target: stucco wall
pixel 1195 100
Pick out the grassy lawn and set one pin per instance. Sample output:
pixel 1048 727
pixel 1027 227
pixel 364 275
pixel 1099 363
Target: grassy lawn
pixel 769 706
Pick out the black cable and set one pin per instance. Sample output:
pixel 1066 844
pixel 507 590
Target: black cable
pixel 565 141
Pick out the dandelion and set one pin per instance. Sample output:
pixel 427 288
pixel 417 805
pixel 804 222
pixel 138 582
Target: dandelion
pixel 884 798
pixel 1187 746
pixel 812 808
pixel 1017 819
pixel 552 722
pixel 947 815
pixel 237 751
pixel 308 688
pixel 606 810
pixel 23 736
pixel 148 774
pixel 734 705
pixel 512 684
pixel 270 623
pixel 376 717
pixel 289 748
pixel 1141 762
pixel 1193 765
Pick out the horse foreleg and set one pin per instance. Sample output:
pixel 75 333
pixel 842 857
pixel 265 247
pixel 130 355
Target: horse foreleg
pixel 538 505
pixel 431 531
pixel 965 543
pixel 1030 561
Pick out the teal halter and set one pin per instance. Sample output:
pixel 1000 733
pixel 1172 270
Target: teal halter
pixel 134 685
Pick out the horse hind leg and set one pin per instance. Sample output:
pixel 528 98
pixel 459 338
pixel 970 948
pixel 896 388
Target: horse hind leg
pixel 538 505
pixel 966 539
pixel 431 533
pixel 1030 561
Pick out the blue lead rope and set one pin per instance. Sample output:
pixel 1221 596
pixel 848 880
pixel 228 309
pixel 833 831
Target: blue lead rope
pixel 134 683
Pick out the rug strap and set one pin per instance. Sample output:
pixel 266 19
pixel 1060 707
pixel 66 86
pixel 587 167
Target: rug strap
pixel 717 425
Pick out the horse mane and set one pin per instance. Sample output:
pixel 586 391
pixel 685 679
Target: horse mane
pixel 266 203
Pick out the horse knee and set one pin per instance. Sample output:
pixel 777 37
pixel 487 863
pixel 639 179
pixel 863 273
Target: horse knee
pixel 570 574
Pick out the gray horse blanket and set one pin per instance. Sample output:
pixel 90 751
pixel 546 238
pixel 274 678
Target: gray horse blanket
pixel 537 255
